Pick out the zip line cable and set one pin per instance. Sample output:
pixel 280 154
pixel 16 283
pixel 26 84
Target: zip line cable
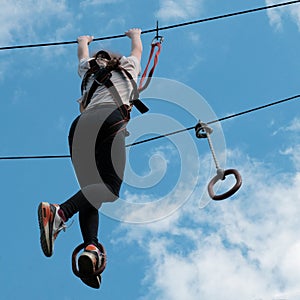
pixel 156 30
pixel 218 120
pixel 161 28
pixel 167 134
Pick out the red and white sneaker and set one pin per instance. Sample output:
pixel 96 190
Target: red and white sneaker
pixel 50 223
pixel 88 262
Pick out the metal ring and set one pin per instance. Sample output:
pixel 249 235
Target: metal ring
pixel 228 193
pixel 157 39
pixel 74 261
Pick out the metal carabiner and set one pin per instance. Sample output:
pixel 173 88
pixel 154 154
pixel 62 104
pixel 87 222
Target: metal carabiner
pixel 229 193
pixel 157 39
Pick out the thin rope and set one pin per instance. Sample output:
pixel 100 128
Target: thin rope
pixel 204 131
pixel 248 11
pixel 212 149
pixel 164 135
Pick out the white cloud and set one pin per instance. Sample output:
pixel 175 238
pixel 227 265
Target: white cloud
pixel 294 126
pixel 276 15
pixel 25 22
pixel 175 9
pixel 294 154
pixel 295 13
pixel 88 3
pixel 19 20
pixel 292 150
pixel 245 248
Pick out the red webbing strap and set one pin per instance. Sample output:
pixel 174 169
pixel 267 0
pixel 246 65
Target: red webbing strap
pixel 141 86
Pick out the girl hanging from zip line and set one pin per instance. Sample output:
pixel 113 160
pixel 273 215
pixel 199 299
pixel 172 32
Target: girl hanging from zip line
pixel 97 148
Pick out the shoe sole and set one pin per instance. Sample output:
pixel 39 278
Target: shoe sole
pixel 44 217
pixel 86 268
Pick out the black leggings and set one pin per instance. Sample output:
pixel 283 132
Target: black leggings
pixel 109 158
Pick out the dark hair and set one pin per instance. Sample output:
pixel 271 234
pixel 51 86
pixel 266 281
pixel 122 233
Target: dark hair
pixel 107 55
pixel 103 54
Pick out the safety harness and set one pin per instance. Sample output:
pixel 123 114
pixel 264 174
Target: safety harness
pixel 102 76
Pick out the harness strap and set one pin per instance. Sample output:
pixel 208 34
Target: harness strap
pixel 102 77
pixel 94 67
pixel 90 93
pixel 117 98
pixel 134 98
pixel 153 45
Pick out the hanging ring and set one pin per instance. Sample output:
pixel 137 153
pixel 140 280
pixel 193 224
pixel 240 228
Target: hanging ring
pixel 229 193
pixel 74 261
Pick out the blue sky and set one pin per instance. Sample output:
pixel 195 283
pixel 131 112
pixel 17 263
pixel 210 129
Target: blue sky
pixel 164 238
